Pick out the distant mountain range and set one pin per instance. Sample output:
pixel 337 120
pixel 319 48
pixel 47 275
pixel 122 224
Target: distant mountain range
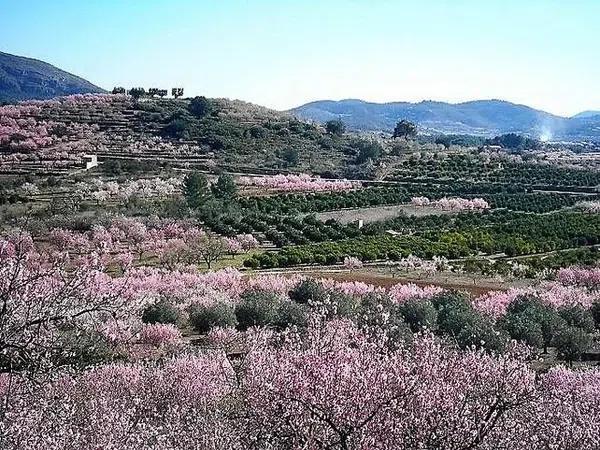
pixel 480 117
pixel 586 114
pixel 25 78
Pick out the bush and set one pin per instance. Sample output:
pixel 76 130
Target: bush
pixel 161 312
pixel 342 305
pixel 457 318
pixel 377 312
pixel 335 127
pixel 204 318
pixel 178 128
pixel 419 314
pixel 200 106
pixel 368 150
pixel 308 290
pixel 530 320
pixel 523 328
pixel 291 314
pixel 479 332
pixel 258 308
pixel 571 343
pixel 578 317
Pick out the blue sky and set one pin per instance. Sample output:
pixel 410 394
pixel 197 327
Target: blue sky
pixel 282 53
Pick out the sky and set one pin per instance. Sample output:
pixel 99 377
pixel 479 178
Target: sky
pixel 284 53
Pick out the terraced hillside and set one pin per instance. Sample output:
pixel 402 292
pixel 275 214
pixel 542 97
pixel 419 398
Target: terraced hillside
pixel 53 136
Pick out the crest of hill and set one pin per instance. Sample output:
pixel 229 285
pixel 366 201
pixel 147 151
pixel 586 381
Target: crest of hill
pixel 26 79
pixel 479 117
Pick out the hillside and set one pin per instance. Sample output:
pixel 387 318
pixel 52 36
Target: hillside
pixel 481 117
pixel 232 134
pixel 25 78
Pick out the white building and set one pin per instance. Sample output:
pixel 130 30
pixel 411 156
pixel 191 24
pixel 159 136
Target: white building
pixel 90 161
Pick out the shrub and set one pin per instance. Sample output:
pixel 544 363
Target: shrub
pixel 368 150
pixel 578 317
pixel 378 314
pixel 571 343
pixel 457 318
pixel 204 318
pixel 161 312
pixel 342 305
pixel 479 332
pixel 291 314
pixel 308 291
pixel 258 308
pixel 523 327
pixel 335 127
pixel 251 263
pixel 178 128
pixel 419 314
pixel 530 320
pixel 200 106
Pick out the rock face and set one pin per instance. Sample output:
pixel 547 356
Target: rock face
pixel 25 78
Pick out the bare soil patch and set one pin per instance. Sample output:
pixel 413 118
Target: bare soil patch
pixel 378 213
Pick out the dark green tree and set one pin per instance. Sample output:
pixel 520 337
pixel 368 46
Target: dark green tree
pixel 530 320
pixel 571 343
pixel 405 129
pixel 225 187
pixel 595 310
pixel 203 318
pixel 200 106
pixel 335 127
pixel 290 155
pixel 368 150
pixel 196 189
pixel 258 308
pixel 309 291
pixel 178 128
pixel 578 317
pixel 444 140
pixel 419 314
pixel 137 92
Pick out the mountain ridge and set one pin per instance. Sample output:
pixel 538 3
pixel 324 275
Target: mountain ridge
pixel 478 117
pixel 23 78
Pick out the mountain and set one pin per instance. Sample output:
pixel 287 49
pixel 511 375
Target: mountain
pixel 25 79
pixel 586 114
pixel 480 117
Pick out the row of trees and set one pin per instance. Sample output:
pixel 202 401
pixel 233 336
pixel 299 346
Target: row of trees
pixel 461 237
pixel 138 92
pixel 473 168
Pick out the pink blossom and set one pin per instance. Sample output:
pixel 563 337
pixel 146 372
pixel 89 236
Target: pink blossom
pixel 159 334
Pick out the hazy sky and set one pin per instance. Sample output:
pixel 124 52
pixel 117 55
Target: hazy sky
pixel 282 53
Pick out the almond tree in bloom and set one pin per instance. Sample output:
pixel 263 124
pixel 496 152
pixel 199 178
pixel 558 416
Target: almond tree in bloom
pixel 328 388
pixel 352 263
pixel 452 204
pixel 580 276
pixel 49 305
pixel 298 183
